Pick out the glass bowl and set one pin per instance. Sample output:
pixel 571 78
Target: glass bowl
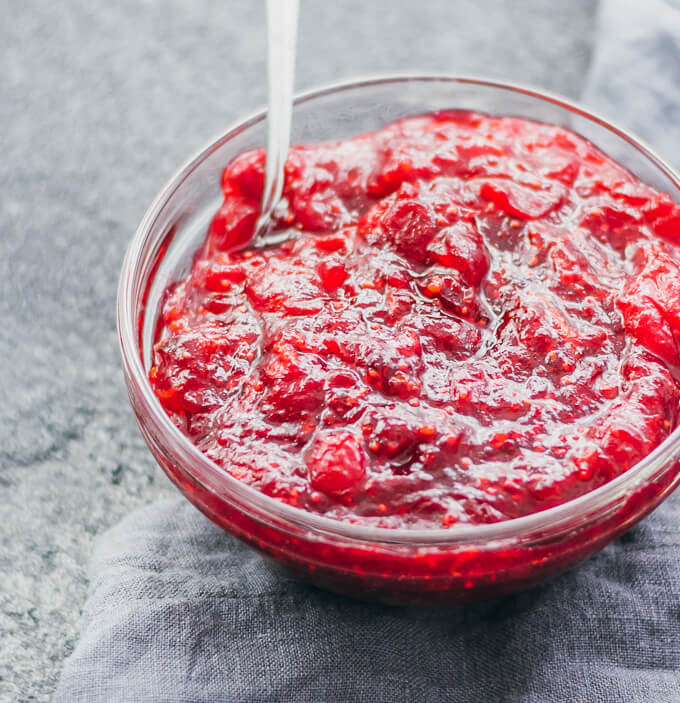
pixel 446 566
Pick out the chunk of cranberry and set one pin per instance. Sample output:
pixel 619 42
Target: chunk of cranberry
pixel 453 294
pixel 404 222
pixel 518 200
pixel 458 337
pixel 245 175
pixel 218 275
pixel 293 384
pixel 650 303
pixel 394 438
pixel 194 371
pixel 460 247
pixel 332 273
pixel 336 463
pixel 234 224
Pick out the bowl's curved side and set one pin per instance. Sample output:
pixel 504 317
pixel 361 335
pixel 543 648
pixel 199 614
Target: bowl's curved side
pixel 407 574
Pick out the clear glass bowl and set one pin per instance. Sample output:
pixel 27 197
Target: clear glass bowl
pixel 465 562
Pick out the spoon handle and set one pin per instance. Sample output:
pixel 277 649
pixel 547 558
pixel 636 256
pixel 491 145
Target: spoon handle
pixel 282 20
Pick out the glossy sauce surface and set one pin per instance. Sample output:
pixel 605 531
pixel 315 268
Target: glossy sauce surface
pixel 475 318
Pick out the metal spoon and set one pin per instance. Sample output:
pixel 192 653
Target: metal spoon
pixel 282 19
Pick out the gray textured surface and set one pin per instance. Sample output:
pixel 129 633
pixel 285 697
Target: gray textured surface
pixel 99 103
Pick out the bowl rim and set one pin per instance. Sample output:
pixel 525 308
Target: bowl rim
pixel 557 518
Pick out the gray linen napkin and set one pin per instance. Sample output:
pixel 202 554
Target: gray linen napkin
pixel 179 611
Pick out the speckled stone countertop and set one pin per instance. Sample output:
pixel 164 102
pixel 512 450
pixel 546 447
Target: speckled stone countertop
pixel 99 104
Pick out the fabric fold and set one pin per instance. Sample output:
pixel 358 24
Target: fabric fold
pixel 180 611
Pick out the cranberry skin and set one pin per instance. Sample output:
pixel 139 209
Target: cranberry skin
pixel 650 303
pixel 336 464
pixel 332 273
pixel 664 216
pixel 461 247
pixel 245 175
pixel 293 384
pixel 194 369
pixel 457 338
pixel 394 438
pixel 404 222
pixel 234 224
pixel 218 275
pixel 453 294
pixel 519 201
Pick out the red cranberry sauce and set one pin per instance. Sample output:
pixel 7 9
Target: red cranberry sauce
pixel 474 318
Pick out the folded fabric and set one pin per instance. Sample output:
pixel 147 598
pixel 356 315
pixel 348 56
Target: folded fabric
pixel 180 611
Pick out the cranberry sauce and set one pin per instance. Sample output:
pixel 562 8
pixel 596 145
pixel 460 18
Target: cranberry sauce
pixel 473 318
